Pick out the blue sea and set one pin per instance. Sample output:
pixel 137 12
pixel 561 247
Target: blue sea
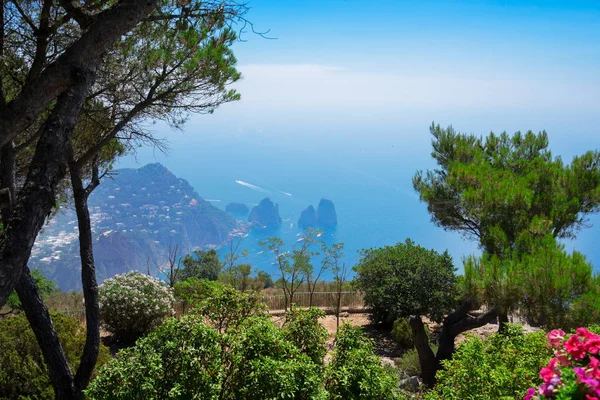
pixel 368 178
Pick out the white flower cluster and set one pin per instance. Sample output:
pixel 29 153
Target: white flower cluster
pixel 132 304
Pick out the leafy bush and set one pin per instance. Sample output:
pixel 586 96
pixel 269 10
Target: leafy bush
pixel 406 279
pixel 500 367
pixel 185 358
pixel 355 372
pixel 23 372
pixel 193 291
pixel 180 359
pixel 226 307
pixel 268 366
pixel 302 328
pixel 402 334
pixel 133 304
pixel 249 357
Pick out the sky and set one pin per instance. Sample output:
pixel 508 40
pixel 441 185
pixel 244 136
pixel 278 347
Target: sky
pixel 396 66
pixel 369 77
pixel 509 63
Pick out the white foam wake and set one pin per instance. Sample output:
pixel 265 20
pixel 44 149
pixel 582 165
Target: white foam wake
pixel 251 186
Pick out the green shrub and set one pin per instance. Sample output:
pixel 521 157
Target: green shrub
pixel 302 328
pixel 248 358
pixel 355 372
pixel 269 366
pixel 225 307
pixel 500 367
pixel 409 361
pixel 185 358
pixel 406 279
pixel 402 334
pixel 23 373
pixel 180 359
pixel 133 304
pixel 193 291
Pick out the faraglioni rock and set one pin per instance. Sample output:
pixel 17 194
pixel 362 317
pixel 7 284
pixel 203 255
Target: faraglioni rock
pixel 265 214
pixel 323 217
pixel 237 209
pixel 326 215
pixel 308 218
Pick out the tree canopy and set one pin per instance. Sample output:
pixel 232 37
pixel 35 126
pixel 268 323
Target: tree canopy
pixel 203 264
pixel 406 279
pixel 546 285
pixel 80 83
pixel 504 190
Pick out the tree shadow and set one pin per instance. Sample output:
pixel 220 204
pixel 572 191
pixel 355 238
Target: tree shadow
pixel 385 346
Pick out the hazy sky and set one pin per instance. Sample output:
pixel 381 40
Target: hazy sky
pixel 354 67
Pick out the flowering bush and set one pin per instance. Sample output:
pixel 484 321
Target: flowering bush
pixel 574 372
pixel 133 304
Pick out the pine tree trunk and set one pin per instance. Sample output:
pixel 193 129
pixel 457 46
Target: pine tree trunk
pixel 88 277
pixel 427 360
pixel 61 376
pixel 453 325
pixel 502 321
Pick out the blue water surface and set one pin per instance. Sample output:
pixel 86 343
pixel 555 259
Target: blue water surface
pixel 370 183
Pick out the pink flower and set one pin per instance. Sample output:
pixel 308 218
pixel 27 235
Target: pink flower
pixel 584 333
pixel 549 372
pixel 556 337
pixel 575 347
pixel 562 357
pixel 530 394
pixel 593 345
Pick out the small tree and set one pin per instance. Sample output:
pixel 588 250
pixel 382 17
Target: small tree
pixel 340 271
pixel 203 264
pixel 312 276
pixel 406 279
pixel 507 191
pixel 172 269
pixel 291 265
pixel 263 280
pixel 234 251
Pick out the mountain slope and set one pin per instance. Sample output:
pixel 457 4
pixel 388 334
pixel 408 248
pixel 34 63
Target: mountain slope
pixel 135 218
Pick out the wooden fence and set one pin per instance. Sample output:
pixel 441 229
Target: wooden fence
pixel 323 300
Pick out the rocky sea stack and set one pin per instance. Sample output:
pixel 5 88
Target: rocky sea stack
pixel 237 209
pixel 265 214
pixel 323 217
pixel 308 218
